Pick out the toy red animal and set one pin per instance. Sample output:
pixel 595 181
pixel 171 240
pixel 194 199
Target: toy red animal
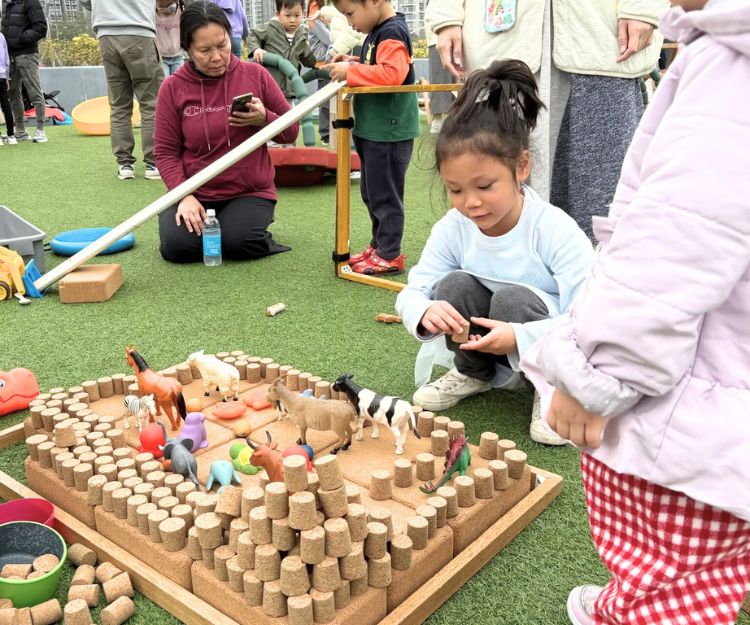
pixel 266 457
pixel 152 438
pixel 18 387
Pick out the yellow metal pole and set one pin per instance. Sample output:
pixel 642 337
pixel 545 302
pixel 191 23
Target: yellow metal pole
pixel 343 184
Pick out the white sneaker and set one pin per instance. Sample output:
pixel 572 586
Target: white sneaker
pixel 538 430
pixel 126 172
pixel 12 141
pixel 581 604
pixel 23 136
pixel 436 126
pixel 448 390
pixel 40 137
pixel 152 173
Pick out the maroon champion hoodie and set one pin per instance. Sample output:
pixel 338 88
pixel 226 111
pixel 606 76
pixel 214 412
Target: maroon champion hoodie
pixel 192 130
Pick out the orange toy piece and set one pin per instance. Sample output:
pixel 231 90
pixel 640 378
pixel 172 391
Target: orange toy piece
pixel 257 401
pixel 167 392
pixel 18 387
pixel 194 405
pixel 229 411
pixel 242 429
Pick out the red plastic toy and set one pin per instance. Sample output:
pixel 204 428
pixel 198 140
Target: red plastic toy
pixel 152 436
pixel 18 388
pixel 257 401
pixel 229 411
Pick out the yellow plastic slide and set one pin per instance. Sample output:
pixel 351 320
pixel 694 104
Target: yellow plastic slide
pixel 92 116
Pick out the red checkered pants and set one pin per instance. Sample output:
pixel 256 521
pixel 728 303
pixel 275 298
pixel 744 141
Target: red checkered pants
pixel 673 560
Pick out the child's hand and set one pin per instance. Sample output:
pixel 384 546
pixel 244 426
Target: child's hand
pixel 341 57
pixel 338 70
pixel 500 340
pixel 254 116
pixel 571 420
pixel 258 55
pixel 441 317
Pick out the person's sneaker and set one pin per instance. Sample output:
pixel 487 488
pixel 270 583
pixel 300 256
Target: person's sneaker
pixel 152 173
pixel 581 604
pixel 363 255
pixel 355 175
pixel 436 126
pixel 23 136
pixel 538 430
pixel 12 141
pixel 126 172
pixel 448 390
pixel 40 137
pixel 374 265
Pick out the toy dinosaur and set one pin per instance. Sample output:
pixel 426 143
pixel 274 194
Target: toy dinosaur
pixel 457 460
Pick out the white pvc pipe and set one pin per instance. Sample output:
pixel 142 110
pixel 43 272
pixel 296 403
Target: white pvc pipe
pixel 191 184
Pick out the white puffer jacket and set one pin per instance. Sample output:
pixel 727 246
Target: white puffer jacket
pixel 584 38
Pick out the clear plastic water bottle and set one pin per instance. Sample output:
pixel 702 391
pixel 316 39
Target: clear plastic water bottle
pixel 211 239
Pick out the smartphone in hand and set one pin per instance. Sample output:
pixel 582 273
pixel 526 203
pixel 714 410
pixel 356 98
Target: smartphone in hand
pixel 240 102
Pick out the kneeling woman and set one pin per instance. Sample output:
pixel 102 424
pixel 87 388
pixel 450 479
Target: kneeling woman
pixel 195 125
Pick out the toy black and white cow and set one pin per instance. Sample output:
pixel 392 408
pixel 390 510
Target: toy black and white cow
pixel 393 412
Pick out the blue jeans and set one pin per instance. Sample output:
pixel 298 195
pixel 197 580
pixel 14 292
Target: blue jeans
pixel 237 47
pixel 172 63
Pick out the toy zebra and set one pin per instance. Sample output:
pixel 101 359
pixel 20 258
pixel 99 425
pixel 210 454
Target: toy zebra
pixel 139 407
pixel 393 412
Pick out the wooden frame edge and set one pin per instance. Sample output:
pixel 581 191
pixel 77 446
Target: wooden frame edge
pixel 13 434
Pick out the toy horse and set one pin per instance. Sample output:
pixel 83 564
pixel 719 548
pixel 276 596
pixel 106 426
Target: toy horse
pixel 167 392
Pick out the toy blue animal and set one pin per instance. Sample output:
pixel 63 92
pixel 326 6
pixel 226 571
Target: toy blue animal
pixel 223 472
pixel 178 453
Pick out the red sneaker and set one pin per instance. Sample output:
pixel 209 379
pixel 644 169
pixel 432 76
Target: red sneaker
pixel 363 255
pixel 376 265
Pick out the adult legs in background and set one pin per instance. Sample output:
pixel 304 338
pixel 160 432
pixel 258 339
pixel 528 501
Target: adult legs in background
pixel 440 101
pixel 24 69
pixel 244 231
pixel 6 108
pixel 171 64
pixel 237 47
pixel 384 166
pixel 600 118
pixel 324 114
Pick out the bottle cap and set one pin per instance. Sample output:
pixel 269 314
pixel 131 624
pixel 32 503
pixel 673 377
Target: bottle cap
pixel 211 212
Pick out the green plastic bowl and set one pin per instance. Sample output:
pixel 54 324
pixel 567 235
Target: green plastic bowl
pixel 21 542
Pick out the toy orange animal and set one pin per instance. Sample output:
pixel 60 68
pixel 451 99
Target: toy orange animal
pixel 167 392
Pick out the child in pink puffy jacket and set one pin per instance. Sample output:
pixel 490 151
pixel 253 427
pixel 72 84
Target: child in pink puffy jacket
pixel 651 372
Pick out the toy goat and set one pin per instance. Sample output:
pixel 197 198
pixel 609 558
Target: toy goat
pixel 266 457
pixel 310 413
pixel 216 373
pixel 140 408
pixel 392 412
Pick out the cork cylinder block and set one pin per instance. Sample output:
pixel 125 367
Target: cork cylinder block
pixel 117 587
pixel 356 519
pixel 89 593
pixel 118 612
pixel 324 606
pixel 68 466
pixel 92 389
pixel 353 565
pixel 451 498
pixel 417 528
pixel 402 473
pixel 253 372
pixel 155 520
pixel 380 485
pixel 484 483
pixel 106 571
pixel 353 494
pixel 84 575
pixel 148 467
pixel 425 423
pixel 272 371
pixel 313 545
pixel 334 502
pixel 342 595
pixel 172 481
pixel 516 461
pixel 379 574
pixel 464 486
pixel 134 502
pixel 283 537
pixel 33 442
pixel 338 539
pixel 260 525
pixel 441 508
pixel 376 541
pixel 381 515
pixel 274 601
pixel 358 586
pixel 439 441
pixel 76 612
pixel 488 445
pixel 145 489
pixel 294 580
pixel 183 489
pixel 302 513
pixel 326 576
pixel 234 572
pixel 94 489
pixel 209 530
pixel 194 546
pixel 503 446
pixel 276 500
pixel 425 467
pixel 143 514
pixel 237 527
pixel 173 534
pixel 300 610
pixel 441 423
pixel 401 550
pixel 120 502
pixel 252 588
pixel 222 555
pixel 47 613
pixel 110 472
pixel 246 551
pixel 267 563
pixel 329 472
pixel 79 554
pixel 45 459
pixel 295 473
pixel 429 513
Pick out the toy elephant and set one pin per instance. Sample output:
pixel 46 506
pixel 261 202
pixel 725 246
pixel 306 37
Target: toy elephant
pixel 182 459
pixel 223 472
pixel 194 428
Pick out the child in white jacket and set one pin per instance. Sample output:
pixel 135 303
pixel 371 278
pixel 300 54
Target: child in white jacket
pixel 4 90
pixel 503 259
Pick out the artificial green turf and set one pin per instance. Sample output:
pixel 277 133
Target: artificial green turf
pixel 167 311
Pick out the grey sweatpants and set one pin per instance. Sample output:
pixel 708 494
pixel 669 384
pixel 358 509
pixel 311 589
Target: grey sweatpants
pixel 600 118
pixel 24 69
pixel 133 68
pixel 511 303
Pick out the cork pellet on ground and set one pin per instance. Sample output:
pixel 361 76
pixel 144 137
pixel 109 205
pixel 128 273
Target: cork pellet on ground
pixel 89 593
pixel 83 576
pixel 116 587
pixel 77 612
pixel 79 554
pixel 106 571
pixel 118 612
pixel 47 613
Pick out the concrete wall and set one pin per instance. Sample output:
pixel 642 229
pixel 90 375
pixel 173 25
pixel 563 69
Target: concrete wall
pixel 76 84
